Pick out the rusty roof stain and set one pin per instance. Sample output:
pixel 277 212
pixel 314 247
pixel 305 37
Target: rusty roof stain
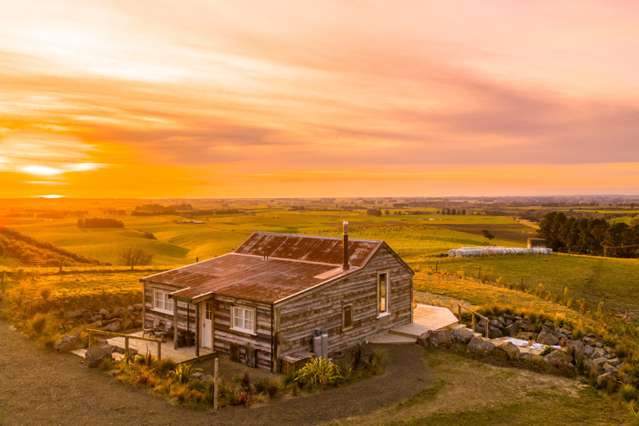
pixel 268 267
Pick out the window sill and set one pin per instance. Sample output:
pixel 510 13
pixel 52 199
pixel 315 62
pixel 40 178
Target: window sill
pixel 163 311
pixel 383 315
pixel 244 331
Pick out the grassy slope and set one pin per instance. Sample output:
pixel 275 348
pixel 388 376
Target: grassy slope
pixel 594 279
pixel 468 392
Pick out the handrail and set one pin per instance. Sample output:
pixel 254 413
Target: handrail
pixel 93 331
pixel 115 334
pixel 474 313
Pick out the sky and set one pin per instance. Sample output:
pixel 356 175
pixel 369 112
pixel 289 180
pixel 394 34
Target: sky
pixel 304 98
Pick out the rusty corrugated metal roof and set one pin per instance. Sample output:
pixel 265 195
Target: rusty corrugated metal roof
pixel 268 267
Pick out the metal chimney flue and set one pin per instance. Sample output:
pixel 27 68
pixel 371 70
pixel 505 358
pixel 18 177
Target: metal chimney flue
pixel 346 264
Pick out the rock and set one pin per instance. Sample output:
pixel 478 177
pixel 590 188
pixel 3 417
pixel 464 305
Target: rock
pixel 546 337
pixel 480 346
pixel 511 329
pixel 607 380
pixel 440 338
pixel 588 350
pixel 598 353
pixel 104 313
pixel 614 361
pixel 67 343
pixel 114 326
pixel 560 360
pixel 509 350
pixel 75 314
pixel 494 333
pixel 96 353
pixel 609 368
pixel 595 366
pixel 463 335
pixel 577 348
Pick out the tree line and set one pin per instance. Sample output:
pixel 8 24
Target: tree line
pixel 592 236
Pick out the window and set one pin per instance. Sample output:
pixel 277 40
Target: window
pixel 162 302
pixel 383 293
pixel 243 319
pixel 347 317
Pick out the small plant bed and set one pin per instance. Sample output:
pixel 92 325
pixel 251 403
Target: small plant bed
pixel 193 385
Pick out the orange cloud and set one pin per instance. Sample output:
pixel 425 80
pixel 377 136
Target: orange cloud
pixel 292 98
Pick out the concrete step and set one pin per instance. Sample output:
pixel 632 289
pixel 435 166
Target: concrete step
pixel 80 352
pixel 390 338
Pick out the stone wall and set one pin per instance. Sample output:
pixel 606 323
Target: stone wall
pixel 587 355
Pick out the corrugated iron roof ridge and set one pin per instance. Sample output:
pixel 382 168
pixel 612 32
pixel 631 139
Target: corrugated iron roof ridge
pixel 287 259
pixel 319 237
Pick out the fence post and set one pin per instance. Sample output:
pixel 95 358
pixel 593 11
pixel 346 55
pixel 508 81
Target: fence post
pixel 159 350
pixel 473 322
pixel 126 348
pixel 486 320
pixel 216 367
pixel 459 311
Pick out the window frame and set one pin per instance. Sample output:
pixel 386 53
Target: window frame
pixel 386 312
pixel 344 326
pixel 162 296
pixel 242 328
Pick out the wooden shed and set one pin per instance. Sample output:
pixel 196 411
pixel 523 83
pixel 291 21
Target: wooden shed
pixel 267 300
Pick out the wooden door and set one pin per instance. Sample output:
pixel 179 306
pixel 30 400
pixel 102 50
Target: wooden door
pixel 207 326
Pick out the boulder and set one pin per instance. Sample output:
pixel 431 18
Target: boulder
pixel 511 329
pixel 494 332
pixel 509 350
pixel 114 326
pixel 463 335
pixel 440 338
pixel 75 314
pixel 96 353
pixel 560 360
pixel 607 380
pixel 546 337
pixel 67 343
pixel 480 346
pixel 577 349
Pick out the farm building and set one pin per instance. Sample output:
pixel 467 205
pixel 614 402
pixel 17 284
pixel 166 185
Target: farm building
pixel 265 302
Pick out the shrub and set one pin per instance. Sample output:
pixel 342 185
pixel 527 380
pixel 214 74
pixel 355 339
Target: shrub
pixel 319 371
pixel 38 324
pixel 164 366
pixel 182 373
pixel 268 386
pixel 629 392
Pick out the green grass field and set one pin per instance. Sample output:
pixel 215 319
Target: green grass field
pixel 615 282
pixel 418 238
pixel 414 236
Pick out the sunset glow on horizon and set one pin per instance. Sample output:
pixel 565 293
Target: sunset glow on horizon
pixel 281 98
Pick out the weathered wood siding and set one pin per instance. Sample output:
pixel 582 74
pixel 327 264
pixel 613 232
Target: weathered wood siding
pixel 151 315
pixel 321 308
pixel 224 335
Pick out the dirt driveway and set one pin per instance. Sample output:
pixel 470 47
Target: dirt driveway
pixel 41 387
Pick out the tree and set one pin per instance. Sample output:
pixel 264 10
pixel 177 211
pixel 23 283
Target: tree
pixel 488 235
pixel 135 256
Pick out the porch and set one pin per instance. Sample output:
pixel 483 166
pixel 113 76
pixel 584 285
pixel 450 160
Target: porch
pixel 139 343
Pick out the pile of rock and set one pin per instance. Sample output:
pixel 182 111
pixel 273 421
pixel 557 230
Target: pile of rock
pixel 563 354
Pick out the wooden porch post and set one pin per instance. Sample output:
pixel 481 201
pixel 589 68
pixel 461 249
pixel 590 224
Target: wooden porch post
pixel 175 324
pixel 197 330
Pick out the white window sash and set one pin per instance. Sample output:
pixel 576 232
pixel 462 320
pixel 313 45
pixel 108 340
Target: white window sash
pixel 243 319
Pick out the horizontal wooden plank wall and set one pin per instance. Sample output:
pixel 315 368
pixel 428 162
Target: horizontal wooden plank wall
pixel 224 335
pixel 150 315
pixel 321 308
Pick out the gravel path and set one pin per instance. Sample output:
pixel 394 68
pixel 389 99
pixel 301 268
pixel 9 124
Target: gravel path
pixel 42 387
